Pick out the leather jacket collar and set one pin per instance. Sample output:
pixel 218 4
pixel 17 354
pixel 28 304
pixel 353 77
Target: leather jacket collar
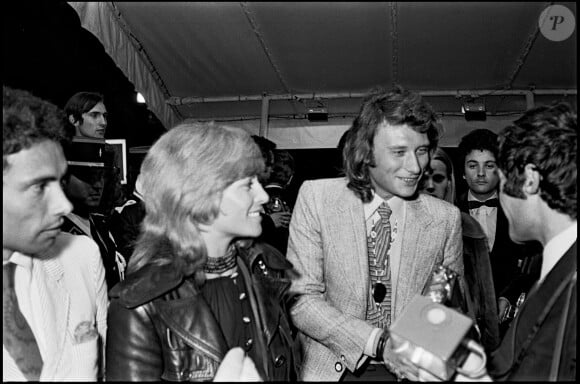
pixel 152 281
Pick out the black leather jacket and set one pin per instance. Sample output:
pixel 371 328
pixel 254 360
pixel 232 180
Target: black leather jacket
pixel 161 328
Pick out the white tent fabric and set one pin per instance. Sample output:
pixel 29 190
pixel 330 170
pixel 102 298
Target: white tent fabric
pixel 214 60
pixel 100 19
pixel 327 135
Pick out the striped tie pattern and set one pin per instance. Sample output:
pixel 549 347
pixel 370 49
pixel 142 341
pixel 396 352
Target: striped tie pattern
pixel 379 244
pixel 17 335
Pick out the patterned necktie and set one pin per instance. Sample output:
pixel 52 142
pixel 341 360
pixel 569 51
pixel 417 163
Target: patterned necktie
pixel 379 244
pixel 17 336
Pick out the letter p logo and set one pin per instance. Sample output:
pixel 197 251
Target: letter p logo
pixel 557 23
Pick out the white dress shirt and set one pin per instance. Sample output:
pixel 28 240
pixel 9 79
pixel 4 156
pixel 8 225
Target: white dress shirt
pixel 487 218
pixel 556 248
pixel 63 297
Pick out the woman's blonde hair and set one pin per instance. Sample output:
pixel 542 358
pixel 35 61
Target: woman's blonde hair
pixel 183 177
pixel 442 156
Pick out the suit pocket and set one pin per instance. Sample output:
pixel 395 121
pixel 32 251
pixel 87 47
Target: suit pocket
pixel 84 332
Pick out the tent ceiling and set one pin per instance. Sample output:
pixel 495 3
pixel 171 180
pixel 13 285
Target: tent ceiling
pixel 217 50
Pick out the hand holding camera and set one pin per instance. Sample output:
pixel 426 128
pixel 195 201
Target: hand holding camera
pixel 281 219
pixel 279 212
pixel 429 339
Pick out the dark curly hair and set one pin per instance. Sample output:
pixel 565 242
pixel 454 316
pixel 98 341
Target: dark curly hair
pixel 28 120
pixel 395 107
pixel 545 136
pixel 478 139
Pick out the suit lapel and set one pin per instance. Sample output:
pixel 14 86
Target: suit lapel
pixel 533 312
pixel 346 226
pixel 415 263
pixel 501 231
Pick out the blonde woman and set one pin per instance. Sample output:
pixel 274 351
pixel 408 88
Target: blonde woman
pixel 197 284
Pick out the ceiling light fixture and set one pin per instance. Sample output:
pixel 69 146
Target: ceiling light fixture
pixel 318 112
pixel 473 109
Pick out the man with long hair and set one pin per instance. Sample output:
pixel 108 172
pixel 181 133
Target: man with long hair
pixel 364 245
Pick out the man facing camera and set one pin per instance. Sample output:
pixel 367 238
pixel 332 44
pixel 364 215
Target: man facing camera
pixel 366 244
pixel 514 267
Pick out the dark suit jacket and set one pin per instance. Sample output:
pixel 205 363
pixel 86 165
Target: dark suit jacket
pixel 515 267
pixel 535 358
pixel 478 278
pixel 277 237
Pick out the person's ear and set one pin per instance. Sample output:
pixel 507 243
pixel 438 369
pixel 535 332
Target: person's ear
pixel 203 227
pixel 72 120
pixel 532 183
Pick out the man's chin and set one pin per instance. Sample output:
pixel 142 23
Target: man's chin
pixel 408 192
pixel 482 191
pixel 41 250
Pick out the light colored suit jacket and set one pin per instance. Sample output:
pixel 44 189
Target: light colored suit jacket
pixel 66 309
pixel 328 249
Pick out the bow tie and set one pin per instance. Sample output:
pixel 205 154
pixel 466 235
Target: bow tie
pixel 474 204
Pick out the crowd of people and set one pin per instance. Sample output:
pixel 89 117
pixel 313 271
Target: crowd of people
pixel 212 271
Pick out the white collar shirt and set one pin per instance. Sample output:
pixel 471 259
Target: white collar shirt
pixel 487 218
pixel 65 304
pixel 556 248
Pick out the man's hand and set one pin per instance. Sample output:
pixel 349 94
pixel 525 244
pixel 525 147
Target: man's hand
pixel 413 363
pixel 410 365
pixel 472 366
pixel 236 366
pixel 281 219
pixel 503 304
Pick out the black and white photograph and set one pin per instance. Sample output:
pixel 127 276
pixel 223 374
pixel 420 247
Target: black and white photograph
pixel 289 191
